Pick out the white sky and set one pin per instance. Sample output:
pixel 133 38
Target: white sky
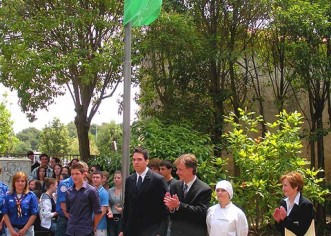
pixel 64 110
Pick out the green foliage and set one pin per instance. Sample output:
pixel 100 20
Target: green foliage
pixel 54 138
pixel 263 160
pixel 170 141
pixel 176 73
pixel 49 48
pixel 28 140
pixel 7 135
pixel 72 130
pixel 108 158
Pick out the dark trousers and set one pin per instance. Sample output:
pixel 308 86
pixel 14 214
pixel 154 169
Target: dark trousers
pixel 114 225
pixel 61 227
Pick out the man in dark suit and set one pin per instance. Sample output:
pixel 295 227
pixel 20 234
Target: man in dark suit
pixel 144 211
pixel 188 200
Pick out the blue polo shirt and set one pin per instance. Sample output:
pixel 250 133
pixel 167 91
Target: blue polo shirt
pixel 61 193
pixel 104 201
pixel 3 193
pixel 29 206
pixel 80 205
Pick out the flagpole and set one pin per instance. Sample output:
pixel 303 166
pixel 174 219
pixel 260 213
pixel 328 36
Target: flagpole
pixel 126 105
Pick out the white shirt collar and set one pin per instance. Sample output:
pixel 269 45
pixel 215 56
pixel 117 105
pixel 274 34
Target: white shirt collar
pixel 296 201
pixel 189 184
pixel 143 174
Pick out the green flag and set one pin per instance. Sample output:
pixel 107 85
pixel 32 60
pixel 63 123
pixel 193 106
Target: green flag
pixel 141 12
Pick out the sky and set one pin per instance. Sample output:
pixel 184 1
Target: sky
pixel 64 110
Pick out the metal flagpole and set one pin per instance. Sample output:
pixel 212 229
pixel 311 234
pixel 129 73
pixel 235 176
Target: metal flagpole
pixel 126 105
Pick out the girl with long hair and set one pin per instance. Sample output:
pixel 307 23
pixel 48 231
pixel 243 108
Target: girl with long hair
pixel 21 207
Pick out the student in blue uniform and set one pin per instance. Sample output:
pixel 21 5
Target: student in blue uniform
pixel 21 207
pixel 3 192
pixel 62 220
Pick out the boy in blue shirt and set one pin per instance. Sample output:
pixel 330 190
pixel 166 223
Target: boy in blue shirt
pixel 104 202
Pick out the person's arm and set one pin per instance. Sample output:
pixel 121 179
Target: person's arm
pixel 110 213
pixel 208 220
pixel 64 209
pixel 97 218
pixel 104 210
pixel 242 225
pixel 9 225
pixel 96 206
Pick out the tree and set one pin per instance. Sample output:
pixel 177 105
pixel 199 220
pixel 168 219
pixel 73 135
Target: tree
pixel 7 135
pixel 54 139
pixel 173 79
pixel 109 136
pixel 49 48
pixel 29 140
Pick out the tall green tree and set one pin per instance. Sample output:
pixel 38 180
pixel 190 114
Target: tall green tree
pixel 7 135
pixel 307 50
pixel 173 81
pixel 49 48
pixel 54 139
pixel 309 22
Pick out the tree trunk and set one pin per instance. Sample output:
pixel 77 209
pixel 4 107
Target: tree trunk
pixel 83 126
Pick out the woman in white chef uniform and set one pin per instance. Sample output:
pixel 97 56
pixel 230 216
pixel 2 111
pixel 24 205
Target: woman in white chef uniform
pixel 224 218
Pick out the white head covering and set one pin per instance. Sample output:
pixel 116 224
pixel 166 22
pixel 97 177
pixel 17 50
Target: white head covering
pixel 226 185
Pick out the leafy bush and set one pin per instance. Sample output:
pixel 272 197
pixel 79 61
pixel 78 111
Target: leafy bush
pixel 169 141
pixel 262 160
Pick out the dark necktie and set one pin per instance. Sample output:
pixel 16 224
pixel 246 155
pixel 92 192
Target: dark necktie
pixel 139 183
pixel 185 190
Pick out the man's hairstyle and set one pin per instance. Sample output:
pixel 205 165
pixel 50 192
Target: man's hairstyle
pixel 97 172
pixel 44 155
pixel 189 160
pixel 29 153
pixel 105 174
pixel 141 150
pixel 154 162
pixel 79 166
pixel 167 164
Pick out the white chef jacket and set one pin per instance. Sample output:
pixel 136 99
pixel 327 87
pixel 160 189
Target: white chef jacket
pixel 228 221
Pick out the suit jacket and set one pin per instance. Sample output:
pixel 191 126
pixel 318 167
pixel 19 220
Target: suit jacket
pixel 190 218
pixel 299 219
pixel 144 212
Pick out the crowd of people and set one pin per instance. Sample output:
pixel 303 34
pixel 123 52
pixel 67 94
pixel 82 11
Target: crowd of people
pixel 77 200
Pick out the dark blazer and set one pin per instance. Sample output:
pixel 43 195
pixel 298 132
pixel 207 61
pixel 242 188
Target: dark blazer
pixel 144 212
pixel 190 218
pixel 299 220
